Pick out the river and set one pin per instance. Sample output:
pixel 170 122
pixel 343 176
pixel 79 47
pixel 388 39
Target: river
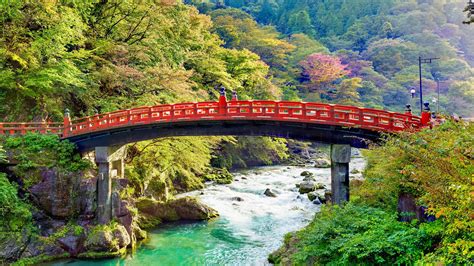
pixel 251 225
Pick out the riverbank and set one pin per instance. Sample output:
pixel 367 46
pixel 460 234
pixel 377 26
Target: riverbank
pixel 414 206
pixel 250 225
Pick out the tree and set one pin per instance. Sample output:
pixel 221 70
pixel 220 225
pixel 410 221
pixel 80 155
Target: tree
pixel 347 91
pixel 321 69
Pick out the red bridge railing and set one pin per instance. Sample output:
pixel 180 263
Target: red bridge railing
pixel 317 113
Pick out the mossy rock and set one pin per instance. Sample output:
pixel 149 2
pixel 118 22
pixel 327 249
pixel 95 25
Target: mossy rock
pixel 103 255
pixel 220 176
pixel 107 238
pixel 306 174
pixel 152 212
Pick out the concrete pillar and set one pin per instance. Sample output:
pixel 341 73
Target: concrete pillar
pixel 340 158
pixel 110 163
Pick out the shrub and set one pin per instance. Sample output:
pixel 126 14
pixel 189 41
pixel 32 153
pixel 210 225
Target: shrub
pixel 39 150
pixel 437 166
pixel 356 234
pixel 14 212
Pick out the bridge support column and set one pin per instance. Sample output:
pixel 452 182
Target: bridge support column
pixel 340 158
pixel 110 162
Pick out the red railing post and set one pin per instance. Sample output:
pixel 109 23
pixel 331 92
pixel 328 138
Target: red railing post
pixel 426 115
pixel 66 123
pixel 222 102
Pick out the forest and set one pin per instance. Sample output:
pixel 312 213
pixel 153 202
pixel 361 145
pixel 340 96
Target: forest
pixel 96 56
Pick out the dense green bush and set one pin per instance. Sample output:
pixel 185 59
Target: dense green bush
pixel 14 213
pixel 31 152
pixel 356 234
pixel 39 150
pixel 437 166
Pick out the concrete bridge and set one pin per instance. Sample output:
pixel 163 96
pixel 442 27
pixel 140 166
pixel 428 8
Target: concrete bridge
pixel 341 126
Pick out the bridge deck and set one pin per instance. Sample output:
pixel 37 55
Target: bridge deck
pixel 281 111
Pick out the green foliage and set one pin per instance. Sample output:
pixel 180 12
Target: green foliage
pixel 169 165
pixel 437 166
pixel 220 176
pixel 33 151
pixel 356 234
pixel 245 152
pixel 15 213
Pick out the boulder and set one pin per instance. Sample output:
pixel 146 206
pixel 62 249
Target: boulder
pixel 306 174
pixel 38 246
pixel 187 208
pixel 101 241
pixel 317 201
pixel 269 193
pixel 12 245
pixel 312 196
pixel 237 199
pixel 322 163
pixel 87 197
pixel 122 236
pixel 309 178
pixel 72 244
pixel 107 238
pixel 319 186
pixel 46 224
pixel 57 193
pixel 306 186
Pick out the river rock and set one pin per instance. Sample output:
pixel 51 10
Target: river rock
pixel 306 186
pixel 269 193
pixel 322 163
pixel 186 208
pixel 319 186
pixel 72 244
pixel 38 246
pixel 189 208
pixel 309 178
pixel 317 201
pixel 237 199
pixel 11 245
pixel 355 171
pixel 306 174
pixel 121 235
pixel 107 239
pixel 312 195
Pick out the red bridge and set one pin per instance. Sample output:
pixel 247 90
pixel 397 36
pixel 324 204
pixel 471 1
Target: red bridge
pixel 334 124
pixel 310 121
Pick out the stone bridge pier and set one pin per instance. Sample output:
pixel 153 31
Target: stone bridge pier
pixel 340 158
pixel 110 163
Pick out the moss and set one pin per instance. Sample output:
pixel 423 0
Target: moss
pixel 39 259
pixel 148 221
pixel 68 229
pixel 103 255
pixel 220 176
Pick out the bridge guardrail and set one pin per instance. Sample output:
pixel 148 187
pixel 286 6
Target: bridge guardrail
pixel 318 113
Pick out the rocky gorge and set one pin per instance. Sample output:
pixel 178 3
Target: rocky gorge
pixel 64 219
pixel 65 201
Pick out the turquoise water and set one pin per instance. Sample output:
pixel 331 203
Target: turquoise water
pixel 244 234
